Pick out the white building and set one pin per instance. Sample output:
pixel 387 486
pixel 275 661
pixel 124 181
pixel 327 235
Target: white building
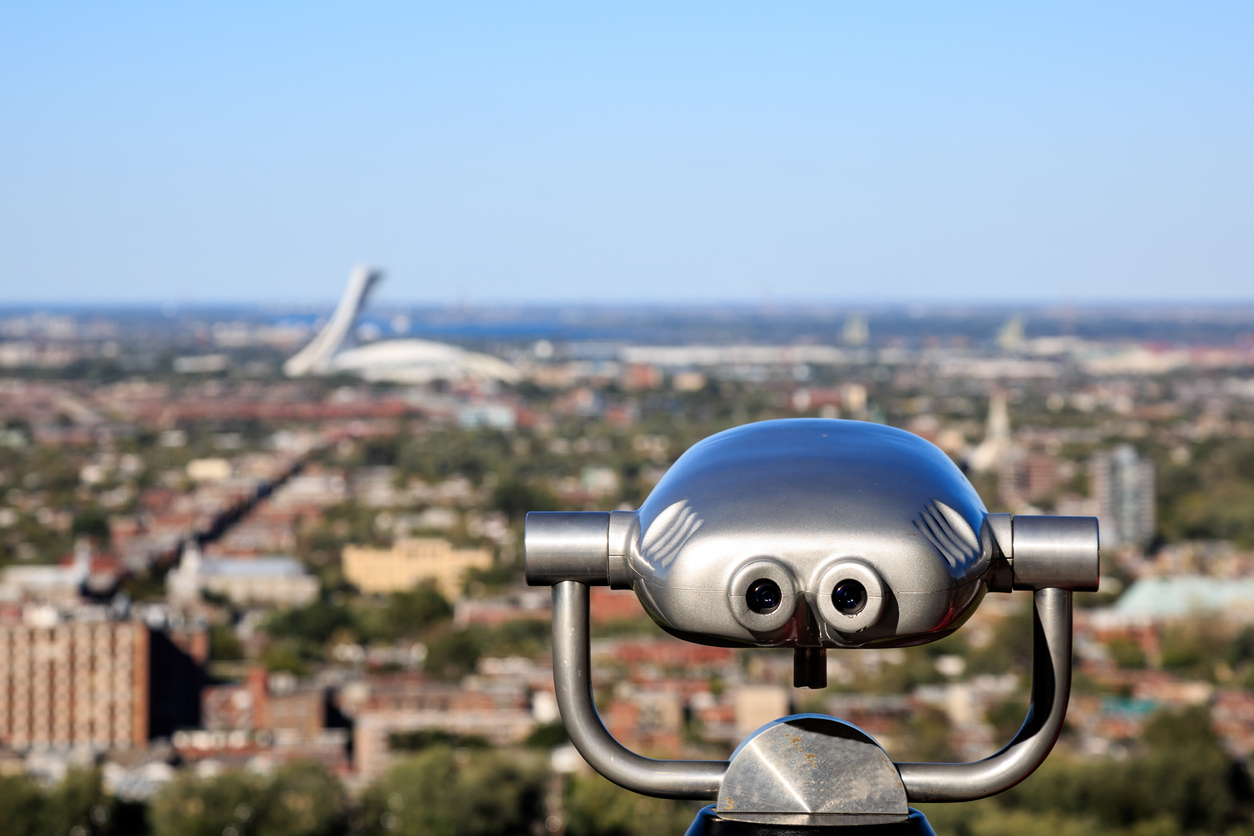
pixel 280 581
pixel 48 583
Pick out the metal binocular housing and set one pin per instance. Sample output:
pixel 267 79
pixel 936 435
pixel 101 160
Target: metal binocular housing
pixel 813 534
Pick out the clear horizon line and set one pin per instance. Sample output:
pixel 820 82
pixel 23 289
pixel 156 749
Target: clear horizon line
pixel 691 303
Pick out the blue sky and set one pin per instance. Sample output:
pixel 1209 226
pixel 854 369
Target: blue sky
pixel 199 152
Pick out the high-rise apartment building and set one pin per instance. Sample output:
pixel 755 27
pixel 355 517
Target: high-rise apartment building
pixel 107 684
pixel 1123 486
pixel 74 684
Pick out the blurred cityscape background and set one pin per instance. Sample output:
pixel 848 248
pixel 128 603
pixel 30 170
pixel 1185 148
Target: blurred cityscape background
pixel 235 599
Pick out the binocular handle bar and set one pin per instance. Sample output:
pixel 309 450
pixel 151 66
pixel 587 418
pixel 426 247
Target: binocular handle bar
pixel 572 676
pixel 1051 686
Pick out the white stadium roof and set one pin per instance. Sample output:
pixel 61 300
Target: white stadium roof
pixel 401 361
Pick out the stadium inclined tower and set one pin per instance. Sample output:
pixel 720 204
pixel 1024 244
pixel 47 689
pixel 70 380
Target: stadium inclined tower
pixel 400 361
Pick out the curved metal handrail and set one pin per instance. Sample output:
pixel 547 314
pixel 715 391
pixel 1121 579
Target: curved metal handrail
pixel 573 680
pixel 1051 687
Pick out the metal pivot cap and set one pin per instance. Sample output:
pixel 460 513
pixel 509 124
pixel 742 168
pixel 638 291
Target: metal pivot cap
pixel 566 547
pixel 808 770
pixel 1055 552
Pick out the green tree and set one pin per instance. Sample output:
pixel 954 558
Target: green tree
pixel 1241 649
pixel 409 613
pixel 1210 497
pixel 1006 717
pixel 927 735
pixel 77 804
pixel 1195 645
pixel 80 801
pixel 300 800
pixel 1009 650
pixel 595 807
pixel 1183 783
pixel 192 806
pixel 447 792
pixel 515 498
pixel 22 805
pixel 1126 653
pixel 289 656
pixel 224 645
pixel 548 736
pixel 314 623
pixel 91 523
pixel 453 655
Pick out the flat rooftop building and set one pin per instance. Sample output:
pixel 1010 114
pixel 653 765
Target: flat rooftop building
pixel 412 561
pixel 262 580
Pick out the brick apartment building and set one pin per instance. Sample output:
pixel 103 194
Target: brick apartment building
pixel 105 684
pixel 265 703
pixel 385 705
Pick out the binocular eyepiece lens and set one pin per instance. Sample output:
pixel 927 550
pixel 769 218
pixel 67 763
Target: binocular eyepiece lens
pixel 763 596
pixel 849 597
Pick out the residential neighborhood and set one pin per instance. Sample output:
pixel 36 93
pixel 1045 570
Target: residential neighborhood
pixel 212 570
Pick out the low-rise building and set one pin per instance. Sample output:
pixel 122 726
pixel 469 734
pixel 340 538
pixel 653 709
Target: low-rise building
pixel 267 719
pixel 411 561
pixel 265 703
pixel 1155 600
pixel 385 706
pixel 281 581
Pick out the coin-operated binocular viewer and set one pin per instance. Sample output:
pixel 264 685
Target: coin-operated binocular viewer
pixel 812 534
